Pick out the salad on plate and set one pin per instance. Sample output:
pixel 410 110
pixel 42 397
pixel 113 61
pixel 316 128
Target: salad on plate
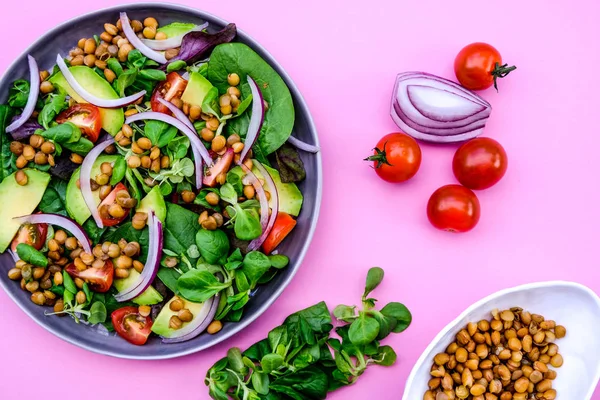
pixel 148 178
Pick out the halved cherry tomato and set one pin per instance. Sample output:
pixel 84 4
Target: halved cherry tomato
pixel 396 158
pixel 284 224
pixel 32 234
pixel 479 65
pixel 131 326
pixel 221 166
pixel 169 89
pixel 99 279
pixel 86 117
pixel 453 208
pixel 110 199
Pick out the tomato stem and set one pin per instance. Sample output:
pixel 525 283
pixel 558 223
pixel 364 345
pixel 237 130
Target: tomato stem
pixel 380 157
pixel 500 71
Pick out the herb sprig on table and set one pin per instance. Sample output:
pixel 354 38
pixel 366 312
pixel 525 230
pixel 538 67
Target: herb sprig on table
pixel 301 360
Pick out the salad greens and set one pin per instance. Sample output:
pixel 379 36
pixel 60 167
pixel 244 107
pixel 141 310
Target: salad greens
pixel 300 359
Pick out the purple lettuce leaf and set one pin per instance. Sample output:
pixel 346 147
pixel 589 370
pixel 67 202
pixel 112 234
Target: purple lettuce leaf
pixel 26 130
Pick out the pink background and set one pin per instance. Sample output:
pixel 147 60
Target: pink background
pixel 539 223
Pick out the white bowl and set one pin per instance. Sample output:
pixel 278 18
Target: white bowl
pixel 570 304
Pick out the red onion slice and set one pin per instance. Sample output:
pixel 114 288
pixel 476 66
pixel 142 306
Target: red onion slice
pixel 309 148
pixel 90 98
pixel 63 222
pixel 452 107
pixel 180 115
pixel 34 91
pixel 183 128
pixel 256 243
pixel 137 42
pixel 172 42
pixel 85 175
pixel 13 254
pixel 198 167
pixel 198 324
pixel 155 245
pixel 262 197
pixel 256 120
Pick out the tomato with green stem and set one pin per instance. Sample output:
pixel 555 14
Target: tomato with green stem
pixel 131 325
pixel 453 208
pixel 479 65
pixel 396 158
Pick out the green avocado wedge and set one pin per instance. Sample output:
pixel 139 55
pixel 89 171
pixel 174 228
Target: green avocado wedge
pixel 149 297
pixel 161 327
pixel 290 197
pixel 17 200
pixel 176 28
pixel 154 201
pixel 113 118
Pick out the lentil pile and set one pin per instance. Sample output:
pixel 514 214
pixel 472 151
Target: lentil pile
pixel 505 358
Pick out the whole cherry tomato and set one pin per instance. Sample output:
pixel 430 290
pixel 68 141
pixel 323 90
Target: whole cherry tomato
pixel 479 65
pixel 453 208
pixel 479 163
pixel 396 158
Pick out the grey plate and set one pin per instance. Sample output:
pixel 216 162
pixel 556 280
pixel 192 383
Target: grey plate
pixel 62 39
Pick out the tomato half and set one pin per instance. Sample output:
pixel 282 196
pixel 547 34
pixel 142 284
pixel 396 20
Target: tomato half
pixel 99 279
pixel 110 199
pixel 32 234
pixel 478 66
pixel 453 208
pixel 221 166
pixel 284 224
pixel 131 326
pixel 169 89
pixel 480 163
pixel 396 158
pixel 86 117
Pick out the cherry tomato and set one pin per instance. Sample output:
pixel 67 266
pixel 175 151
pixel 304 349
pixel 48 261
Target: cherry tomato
pixel 86 117
pixel 99 279
pixel 479 65
pixel 453 208
pixel 32 234
pixel 396 158
pixel 169 89
pixel 284 224
pixel 221 166
pixel 131 326
pixel 107 220
pixel 479 163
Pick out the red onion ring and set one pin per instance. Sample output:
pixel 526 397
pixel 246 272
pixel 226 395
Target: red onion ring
pixel 183 128
pixel 256 120
pixel 262 197
pixel 90 98
pixel 63 222
pixel 256 243
pixel 84 179
pixel 34 91
pixel 155 245
pixel 172 42
pixel 198 324
pixel 14 255
pixel 137 42
pixel 309 148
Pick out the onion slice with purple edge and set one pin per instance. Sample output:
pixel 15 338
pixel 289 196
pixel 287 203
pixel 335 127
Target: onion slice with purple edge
pixel 137 42
pixel 183 128
pixel 250 178
pixel 256 243
pixel 34 91
pixel 172 42
pixel 199 166
pixel 90 98
pixel 198 324
pixel 434 109
pixel 84 178
pixel 155 245
pixel 256 120
pixel 63 222
pixel 309 148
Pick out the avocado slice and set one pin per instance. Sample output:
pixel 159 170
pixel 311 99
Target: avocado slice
pixel 197 88
pixel 17 200
pixel 149 297
pixel 113 118
pixel 176 28
pixel 160 326
pixel 76 206
pixel 154 201
pixel 290 197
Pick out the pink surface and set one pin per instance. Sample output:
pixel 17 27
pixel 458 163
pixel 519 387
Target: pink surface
pixel 539 223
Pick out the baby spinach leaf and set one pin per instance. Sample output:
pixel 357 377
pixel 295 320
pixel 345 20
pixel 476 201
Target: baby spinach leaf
pixel 55 103
pixel 213 245
pixel 308 383
pixel 244 105
pixel 386 356
pixel 279 261
pixel 126 79
pixel 18 94
pixel 199 286
pixel 30 255
pixel 247 224
pixel 234 178
pixel 254 266
pixel 63 133
pixel 97 313
pixel 81 147
pixel 228 193
pixel 180 229
pixel 289 164
pixel 400 313
pixel 118 172
pixel 114 65
pixel 279 117
pixel 363 330
pixel 69 284
pixel 153 75
pixel 374 278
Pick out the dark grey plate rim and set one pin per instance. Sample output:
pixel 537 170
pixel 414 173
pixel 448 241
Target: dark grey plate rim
pixel 300 104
